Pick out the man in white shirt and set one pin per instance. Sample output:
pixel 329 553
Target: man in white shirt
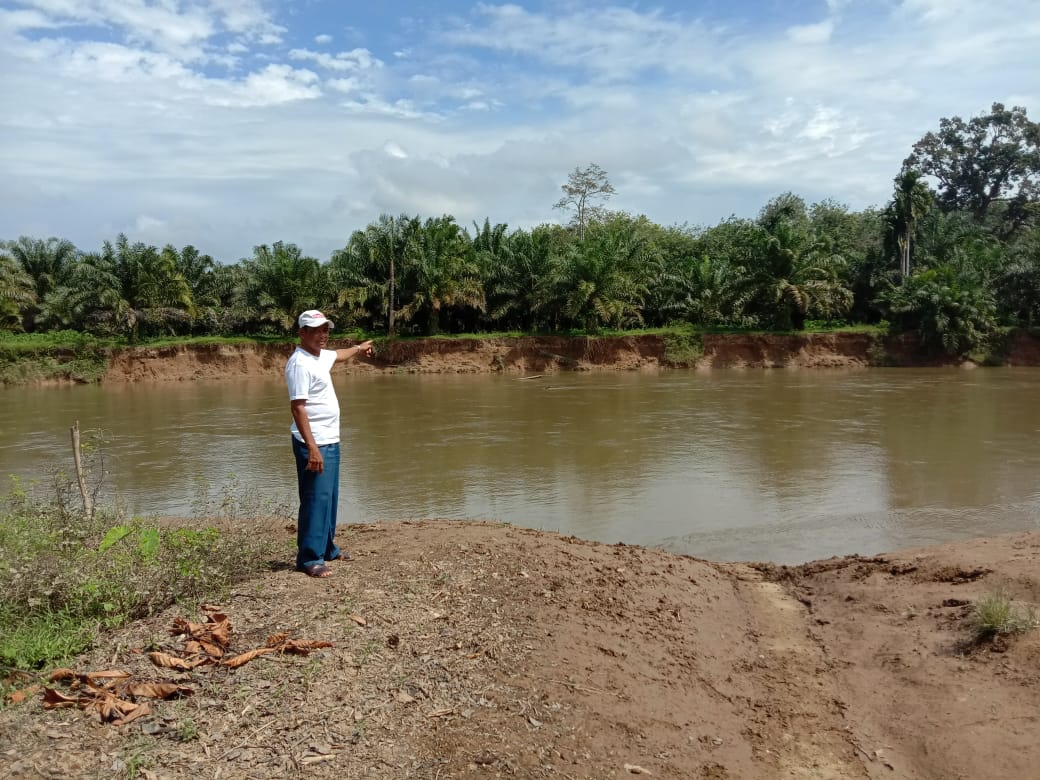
pixel 315 440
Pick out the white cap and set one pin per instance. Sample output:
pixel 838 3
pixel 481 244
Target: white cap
pixel 312 318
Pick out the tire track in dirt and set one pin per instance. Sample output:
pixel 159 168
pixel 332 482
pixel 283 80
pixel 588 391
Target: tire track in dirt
pixel 803 701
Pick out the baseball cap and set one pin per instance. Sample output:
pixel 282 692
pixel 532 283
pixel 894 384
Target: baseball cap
pixel 312 318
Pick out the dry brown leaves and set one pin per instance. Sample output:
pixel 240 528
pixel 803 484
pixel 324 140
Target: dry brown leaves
pixel 113 696
pixel 109 693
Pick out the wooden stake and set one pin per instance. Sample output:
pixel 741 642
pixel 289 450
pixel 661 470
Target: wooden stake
pixel 88 508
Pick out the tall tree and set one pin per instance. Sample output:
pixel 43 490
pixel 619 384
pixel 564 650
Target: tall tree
pixel 785 208
pixel 990 159
pixel 585 190
pixel 366 270
pixel 909 205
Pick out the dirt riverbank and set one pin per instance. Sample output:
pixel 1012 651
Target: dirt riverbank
pixel 483 650
pixel 551 354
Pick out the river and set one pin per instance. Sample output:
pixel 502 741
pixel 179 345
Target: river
pixel 779 465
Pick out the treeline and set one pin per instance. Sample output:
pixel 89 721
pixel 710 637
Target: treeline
pixel 953 263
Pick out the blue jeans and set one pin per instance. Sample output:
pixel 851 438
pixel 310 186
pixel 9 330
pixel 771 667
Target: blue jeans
pixel 319 496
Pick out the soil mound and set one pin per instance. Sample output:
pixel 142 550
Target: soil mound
pixel 484 650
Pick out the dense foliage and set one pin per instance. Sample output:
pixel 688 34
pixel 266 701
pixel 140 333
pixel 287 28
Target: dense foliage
pixel 952 263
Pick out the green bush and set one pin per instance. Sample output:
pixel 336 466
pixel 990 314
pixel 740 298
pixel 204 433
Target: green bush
pixel 682 346
pixel 66 576
pixel 947 307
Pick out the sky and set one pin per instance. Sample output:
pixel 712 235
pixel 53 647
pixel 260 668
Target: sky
pixel 230 123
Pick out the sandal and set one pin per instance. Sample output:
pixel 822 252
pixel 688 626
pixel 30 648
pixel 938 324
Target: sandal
pixel 343 556
pixel 319 570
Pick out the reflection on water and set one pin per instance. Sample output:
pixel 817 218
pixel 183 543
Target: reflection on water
pixel 767 465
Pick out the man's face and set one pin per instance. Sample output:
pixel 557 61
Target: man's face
pixel 314 340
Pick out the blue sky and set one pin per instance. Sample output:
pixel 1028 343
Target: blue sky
pixel 228 123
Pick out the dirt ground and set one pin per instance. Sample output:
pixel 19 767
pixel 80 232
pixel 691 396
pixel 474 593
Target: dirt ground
pixel 485 650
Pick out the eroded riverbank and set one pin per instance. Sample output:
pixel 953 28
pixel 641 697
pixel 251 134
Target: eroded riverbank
pixel 548 354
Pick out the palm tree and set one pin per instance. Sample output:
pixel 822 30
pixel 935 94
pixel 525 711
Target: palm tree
pixel 365 271
pixel 120 289
pixel 599 281
pixel 280 282
pixel 16 292
pixel 912 200
pixel 797 276
pixel 516 274
pixel 708 291
pixel 440 273
pixel 47 262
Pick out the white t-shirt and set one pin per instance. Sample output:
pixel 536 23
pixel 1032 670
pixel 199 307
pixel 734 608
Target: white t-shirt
pixel 309 379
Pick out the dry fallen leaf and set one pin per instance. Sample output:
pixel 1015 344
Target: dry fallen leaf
pixel 171 661
pixel 244 658
pixel 316 759
pixel 359 620
pixel 276 639
pixel 158 690
pixel 53 698
pixel 212 648
pixel 303 646
pixel 168 661
pixel 17 697
pixel 139 711
pixel 110 707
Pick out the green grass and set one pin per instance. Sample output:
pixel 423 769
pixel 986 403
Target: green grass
pixel 66 577
pixel 682 347
pixel 997 615
pixel 61 355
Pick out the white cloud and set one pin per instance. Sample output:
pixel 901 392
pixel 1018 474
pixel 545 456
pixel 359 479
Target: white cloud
pixel 274 85
pixel 207 122
pixel 811 33
pixel 356 60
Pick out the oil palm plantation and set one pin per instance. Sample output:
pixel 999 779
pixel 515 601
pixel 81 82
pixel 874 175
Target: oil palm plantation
pixel 123 289
pixel 708 291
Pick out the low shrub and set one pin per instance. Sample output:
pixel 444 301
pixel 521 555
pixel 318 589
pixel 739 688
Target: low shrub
pixel 997 615
pixel 66 576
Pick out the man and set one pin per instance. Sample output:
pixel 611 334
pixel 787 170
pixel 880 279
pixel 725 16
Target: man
pixel 315 440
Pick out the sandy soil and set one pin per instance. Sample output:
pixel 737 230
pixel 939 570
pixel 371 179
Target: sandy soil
pixel 485 650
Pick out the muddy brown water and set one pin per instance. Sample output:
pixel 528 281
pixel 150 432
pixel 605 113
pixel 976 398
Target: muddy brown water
pixel 777 465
